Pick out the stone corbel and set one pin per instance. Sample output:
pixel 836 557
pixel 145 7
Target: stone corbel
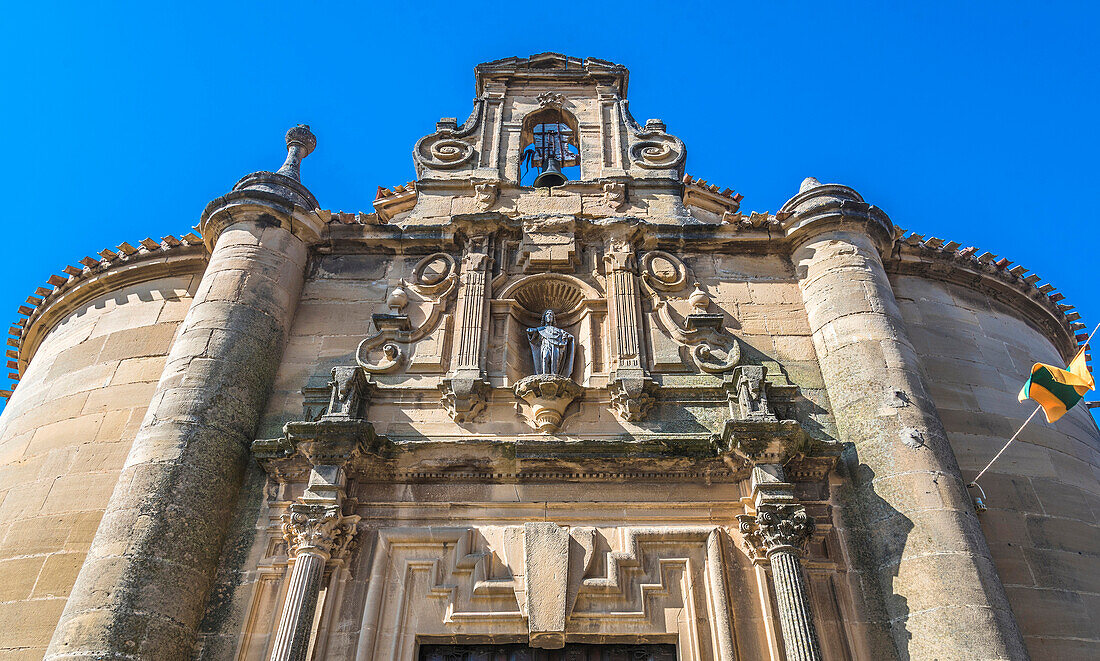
pixel 464 396
pixel 486 194
pixel 631 395
pixel 750 393
pixel 349 394
pixel 614 195
pixel 548 395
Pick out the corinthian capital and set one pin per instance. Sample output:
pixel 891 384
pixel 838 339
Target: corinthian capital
pixel 319 529
pixel 775 529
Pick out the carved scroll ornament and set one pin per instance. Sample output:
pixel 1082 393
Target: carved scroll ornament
pixel 654 148
pixel 712 350
pixel 434 280
pixel 448 148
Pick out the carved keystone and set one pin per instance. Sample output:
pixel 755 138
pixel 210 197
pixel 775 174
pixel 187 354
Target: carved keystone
pixel 546 555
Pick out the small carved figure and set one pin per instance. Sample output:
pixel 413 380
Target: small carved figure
pixel 551 347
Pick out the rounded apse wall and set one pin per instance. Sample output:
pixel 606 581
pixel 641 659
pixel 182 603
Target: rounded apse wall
pixel 1042 523
pixel 64 436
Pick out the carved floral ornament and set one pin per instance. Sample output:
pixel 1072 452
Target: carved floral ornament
pixel 775 529
pixel 319 529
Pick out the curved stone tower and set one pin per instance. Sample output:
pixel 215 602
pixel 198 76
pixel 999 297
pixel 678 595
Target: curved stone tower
pixel 319 435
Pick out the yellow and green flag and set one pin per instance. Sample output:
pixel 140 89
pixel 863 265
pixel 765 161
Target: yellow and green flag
pixel 1058 390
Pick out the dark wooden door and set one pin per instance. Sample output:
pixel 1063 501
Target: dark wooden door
pixel 569 653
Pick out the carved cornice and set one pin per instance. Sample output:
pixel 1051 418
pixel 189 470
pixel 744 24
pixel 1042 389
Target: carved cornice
pixel 126 265
pixel 708 197
pixel 819 207
pixel 388 203
pixel 552 67
pixel 264 197
pixel 995 277
pixel 324 441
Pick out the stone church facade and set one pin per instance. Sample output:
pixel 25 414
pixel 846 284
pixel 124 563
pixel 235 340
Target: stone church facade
pixel 738 435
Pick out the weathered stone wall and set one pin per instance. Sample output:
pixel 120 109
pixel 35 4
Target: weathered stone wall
pixel 1043 493
pixel 758 293
pixel 340 294
pixel 63 439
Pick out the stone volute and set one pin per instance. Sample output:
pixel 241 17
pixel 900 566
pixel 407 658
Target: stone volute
pixel 274 198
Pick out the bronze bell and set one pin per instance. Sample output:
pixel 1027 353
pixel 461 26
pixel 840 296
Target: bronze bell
pixel 551 176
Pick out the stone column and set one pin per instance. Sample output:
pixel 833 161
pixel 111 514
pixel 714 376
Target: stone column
pixel 775 534
pixel 314 533
pixel 144 583
pixel 913 522
pixel 315 528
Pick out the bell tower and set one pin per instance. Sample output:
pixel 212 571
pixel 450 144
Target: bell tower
pixel 548 119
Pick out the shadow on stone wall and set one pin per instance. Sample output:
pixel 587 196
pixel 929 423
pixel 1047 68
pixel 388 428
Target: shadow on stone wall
pixel 874 530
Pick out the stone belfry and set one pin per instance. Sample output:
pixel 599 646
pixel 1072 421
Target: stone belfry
pixel 611 417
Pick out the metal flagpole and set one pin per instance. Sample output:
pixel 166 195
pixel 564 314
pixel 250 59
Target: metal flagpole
pixel 979 502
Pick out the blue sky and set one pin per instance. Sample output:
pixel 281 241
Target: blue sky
pixel 972 122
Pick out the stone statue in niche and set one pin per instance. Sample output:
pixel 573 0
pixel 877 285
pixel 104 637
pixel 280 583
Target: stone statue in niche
pixel 551 347
pixel 549 391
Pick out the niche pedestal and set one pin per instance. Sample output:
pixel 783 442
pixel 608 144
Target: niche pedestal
pixel 548 395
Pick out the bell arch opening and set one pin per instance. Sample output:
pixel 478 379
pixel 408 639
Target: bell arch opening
pixel 549 141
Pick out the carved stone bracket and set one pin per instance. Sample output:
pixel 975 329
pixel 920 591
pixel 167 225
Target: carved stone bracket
pixel 349 393
pixel 751 394
pixel 464 397
pixel 614 195
pixel 486 194
pixel 631 398
pixel 548 396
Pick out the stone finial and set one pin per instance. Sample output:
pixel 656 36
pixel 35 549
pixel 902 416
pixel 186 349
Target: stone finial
pixel 809 183
pixel 300 142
